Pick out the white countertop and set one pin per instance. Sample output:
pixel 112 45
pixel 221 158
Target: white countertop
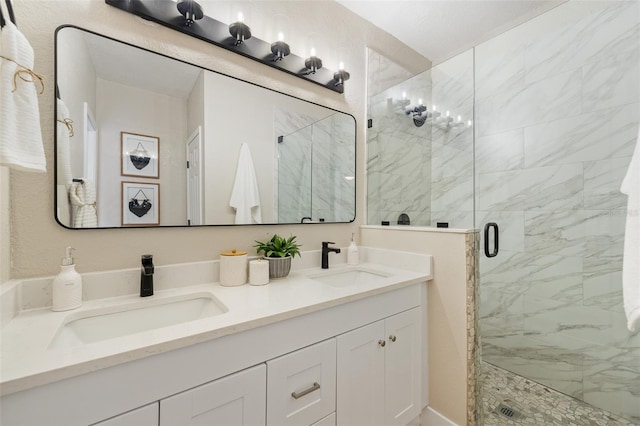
pixel 26 361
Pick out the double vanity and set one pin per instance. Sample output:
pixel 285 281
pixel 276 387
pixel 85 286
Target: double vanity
pixel 345 345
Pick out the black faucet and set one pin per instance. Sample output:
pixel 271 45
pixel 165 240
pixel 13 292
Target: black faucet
pixel 325 253
pixel 305 218
pixel 146 276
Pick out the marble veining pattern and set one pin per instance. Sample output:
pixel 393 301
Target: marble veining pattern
pixel 557 117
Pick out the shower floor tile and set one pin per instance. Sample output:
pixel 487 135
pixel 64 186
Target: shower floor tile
pixel 525 403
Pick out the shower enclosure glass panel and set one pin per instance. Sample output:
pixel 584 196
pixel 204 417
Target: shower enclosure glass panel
pixel 316 171
pixel 557 110
pixel 420 162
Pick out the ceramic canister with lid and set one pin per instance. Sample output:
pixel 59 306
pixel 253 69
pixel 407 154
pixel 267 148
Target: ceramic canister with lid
pixel 233 268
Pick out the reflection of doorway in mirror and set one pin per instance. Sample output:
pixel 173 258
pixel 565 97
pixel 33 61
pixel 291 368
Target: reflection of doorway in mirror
pixel 90 172
pixel 194 178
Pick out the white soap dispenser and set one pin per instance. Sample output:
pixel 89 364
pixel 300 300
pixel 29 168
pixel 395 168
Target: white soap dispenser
pixel 353 257
pixel 67 286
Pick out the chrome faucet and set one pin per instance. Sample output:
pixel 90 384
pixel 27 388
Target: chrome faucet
pixel 146 276
pixel 325 253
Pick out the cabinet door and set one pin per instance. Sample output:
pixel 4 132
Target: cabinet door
pixel 235 400
pixel 143 416
pixel 402 367
pixel 360 390
pixel 301 386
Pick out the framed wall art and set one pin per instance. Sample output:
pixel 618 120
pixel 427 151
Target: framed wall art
pixel 140 203
pixel 140 155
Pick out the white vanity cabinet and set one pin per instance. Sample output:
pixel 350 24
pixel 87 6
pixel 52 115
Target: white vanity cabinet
pixel 379 371
pixel 143 416
pixel 331 358
pixel 235 400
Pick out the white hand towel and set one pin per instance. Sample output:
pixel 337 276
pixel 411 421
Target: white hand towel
pixel 20 136
pixel 64 144
pixel 631 259
pixel 83 198
pixel 245 197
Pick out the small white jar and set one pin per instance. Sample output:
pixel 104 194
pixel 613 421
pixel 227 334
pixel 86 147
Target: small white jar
pixel 233 268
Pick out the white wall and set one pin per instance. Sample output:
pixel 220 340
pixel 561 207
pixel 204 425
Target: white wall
pixel 35 234
pixel 132 110
pixel 5 229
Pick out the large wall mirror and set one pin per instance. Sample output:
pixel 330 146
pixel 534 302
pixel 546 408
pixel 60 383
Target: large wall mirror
pixel 146 140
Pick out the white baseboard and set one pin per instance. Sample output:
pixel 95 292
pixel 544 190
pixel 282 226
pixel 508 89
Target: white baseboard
pixel 431 417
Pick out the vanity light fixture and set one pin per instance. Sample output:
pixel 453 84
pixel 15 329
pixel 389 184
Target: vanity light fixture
pixel 341 76
pixel 197 24
pixel 312 63
pixel 280 49
pixel 191 11
pixel 239 30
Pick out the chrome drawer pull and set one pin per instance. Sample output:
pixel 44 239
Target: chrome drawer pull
pixel 313 387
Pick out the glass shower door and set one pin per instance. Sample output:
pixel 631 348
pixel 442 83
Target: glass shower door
pixel 557 110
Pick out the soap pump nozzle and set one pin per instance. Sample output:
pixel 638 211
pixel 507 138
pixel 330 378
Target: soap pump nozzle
pixel 68 259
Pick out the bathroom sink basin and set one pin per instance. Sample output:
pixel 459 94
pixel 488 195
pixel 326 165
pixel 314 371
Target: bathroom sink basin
pixel 146 314
pixel 351 276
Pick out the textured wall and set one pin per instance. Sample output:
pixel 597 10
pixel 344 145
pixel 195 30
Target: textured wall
pixel 38 241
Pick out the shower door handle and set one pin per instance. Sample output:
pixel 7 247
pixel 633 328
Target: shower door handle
pixel 496 243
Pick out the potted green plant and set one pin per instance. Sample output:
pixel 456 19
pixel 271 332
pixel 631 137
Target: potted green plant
pixel 279 251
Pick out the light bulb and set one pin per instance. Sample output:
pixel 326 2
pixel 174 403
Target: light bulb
pixel 341 66
pixel 240 17
pixel 404 96
pixel 469 123
pixel 420 101
pixel 446 113
pixel 313 51
pixel 280 37
pixel 434 108
pixel 459 119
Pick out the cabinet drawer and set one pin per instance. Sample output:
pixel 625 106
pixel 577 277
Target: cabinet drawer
pixel 301 386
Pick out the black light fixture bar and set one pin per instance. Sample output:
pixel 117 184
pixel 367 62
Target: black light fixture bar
pixel 165 12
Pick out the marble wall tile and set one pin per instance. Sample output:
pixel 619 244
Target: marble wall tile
pixel 602 180
pixel 614 388
pixel 553 367
pixel 612 81
pixel 609 133
pixel 452 193
pixel 544 188
pixel 500 151
pixel 539 102
pixel 499 70
pixel 587 38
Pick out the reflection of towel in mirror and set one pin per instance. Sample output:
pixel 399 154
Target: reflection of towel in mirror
pixel 64 144
pixel 83 199
pixel 245 197
pixel 20 136
pixel 631 257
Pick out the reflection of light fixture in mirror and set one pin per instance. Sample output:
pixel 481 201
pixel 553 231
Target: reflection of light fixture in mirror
pixel 349 177
pixel 341 76
pixel 239 30
pixel 312 63
pixel 191 11
pixel 280 49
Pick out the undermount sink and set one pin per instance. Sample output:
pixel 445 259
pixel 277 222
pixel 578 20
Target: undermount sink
pixel 146 314
pixel 351 276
